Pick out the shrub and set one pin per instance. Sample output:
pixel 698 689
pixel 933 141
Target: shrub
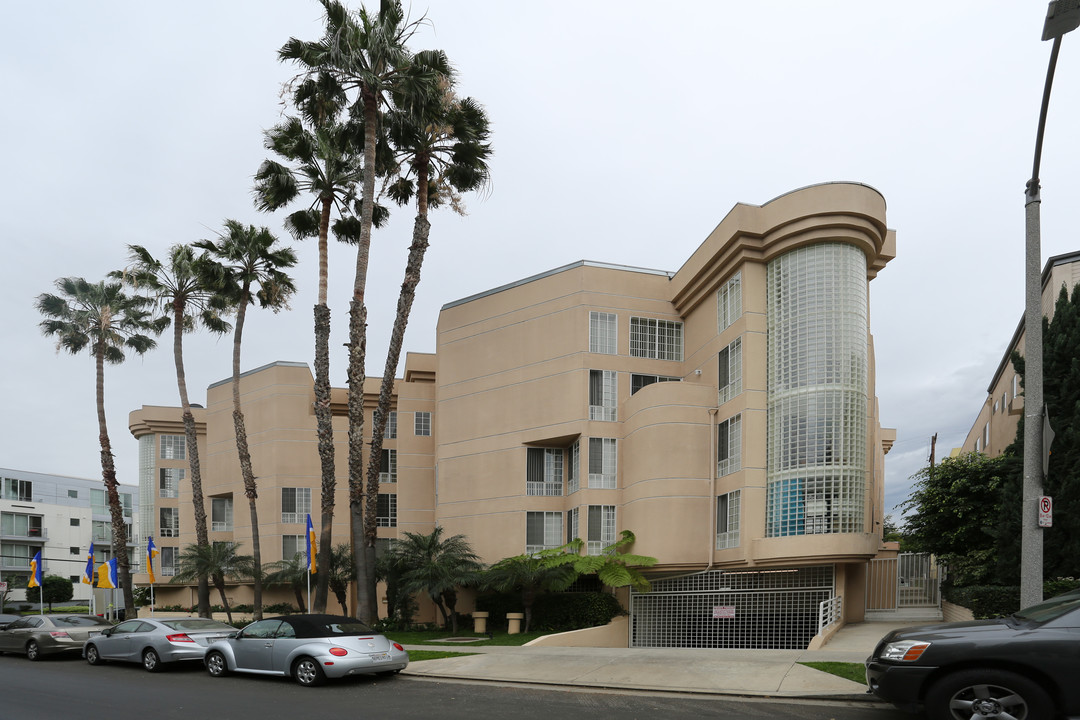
pixel 553 611
pixel 990 601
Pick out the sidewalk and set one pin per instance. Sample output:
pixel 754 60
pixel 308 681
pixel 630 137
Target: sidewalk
pixel 774 673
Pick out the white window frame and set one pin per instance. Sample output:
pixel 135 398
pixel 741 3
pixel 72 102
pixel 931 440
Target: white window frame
pixel 221 514
pixel 169 480
pixel 729 445
pixel 292 541
pixel 389 519
pixel 551 484
pixel 18 490
pixel 573 472
pixel 422 424
pixel 169 558
pixel 656 339
pixel 573 524
pixel 730 378
pixel 607 382
pixel 727 519
pixel 300 502
pixel 168 522
pixel 552 523
pixel 603 333
pixel 729 302
pixel 601 519
pixel 603 463
pixel 390 431
pixel 172 447
pixel 388 470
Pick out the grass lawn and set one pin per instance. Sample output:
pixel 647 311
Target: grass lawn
pixel 423 637
pixel 856 672
pixel 421 655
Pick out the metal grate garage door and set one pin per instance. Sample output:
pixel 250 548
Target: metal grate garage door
pixel 773 609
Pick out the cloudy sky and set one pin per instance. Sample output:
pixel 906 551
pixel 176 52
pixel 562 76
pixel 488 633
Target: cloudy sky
pixel 623 133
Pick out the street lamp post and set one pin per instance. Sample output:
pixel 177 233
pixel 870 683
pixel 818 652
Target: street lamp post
pixel 1061 17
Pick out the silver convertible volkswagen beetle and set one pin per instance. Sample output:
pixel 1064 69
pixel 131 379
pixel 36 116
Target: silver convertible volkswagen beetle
pixel 307 648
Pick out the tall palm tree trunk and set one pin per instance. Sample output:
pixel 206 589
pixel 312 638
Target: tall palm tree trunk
pixel 362 506
pixel 246 471
pixel 323 415
pixel 201 535
pixel 108 476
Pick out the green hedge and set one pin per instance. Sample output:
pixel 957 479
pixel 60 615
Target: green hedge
pixel 990 601
pixel 554 611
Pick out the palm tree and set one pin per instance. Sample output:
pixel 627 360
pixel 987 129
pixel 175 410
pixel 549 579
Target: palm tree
pixel 341 571
pixel 100 316
pixel 292 572
pixel 531 574
pixel 437 566
pixel 613 566
pixel 249 258
pixel 179 288
pixel 443 151
pixel 366 53
pixel 325 162
pixel 218 561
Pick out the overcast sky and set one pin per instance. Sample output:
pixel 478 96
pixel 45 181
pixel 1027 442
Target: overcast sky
pixel 623 133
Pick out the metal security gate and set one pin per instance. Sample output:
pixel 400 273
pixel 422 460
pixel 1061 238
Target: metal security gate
pixel 775 609
pixel 910 580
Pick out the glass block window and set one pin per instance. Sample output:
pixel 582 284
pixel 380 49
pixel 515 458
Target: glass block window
pixel 727 520
pixel 603 333
pixel 729 302
pixel 544 471
pixel 422 424
pixel 729 446
pixel 657 339
pixel 543 530
pixel 18 490
pixel 390 431
pixel 603 395
pixel 573 524
pixel 573 473
pixel 169 556
pixel 638 381
pixel 602 462
pixel 169 482
pixel 295 504
pixel 730 371
pixel 818 390
pixel 173 447
pixel 170 522
pixel 293 545
pixel 386 512
pixel 148 481
pixel 601 528
pixel 388 468
pixel 221 514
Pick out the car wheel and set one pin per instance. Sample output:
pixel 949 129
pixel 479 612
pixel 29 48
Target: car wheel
pixel 307 672
pixel 216 665
pixel 32 650
pixel 989 694
pixel 93 656
pixel 151 661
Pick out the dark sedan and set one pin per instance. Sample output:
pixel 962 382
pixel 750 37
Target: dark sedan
pixel 1022 667
pixel 37 635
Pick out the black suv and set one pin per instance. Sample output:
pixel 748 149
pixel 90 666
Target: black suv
pixel 1022 667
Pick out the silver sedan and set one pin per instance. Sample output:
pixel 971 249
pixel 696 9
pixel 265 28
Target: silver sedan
pixel 154 642
pixel 37 635
pixel 307 648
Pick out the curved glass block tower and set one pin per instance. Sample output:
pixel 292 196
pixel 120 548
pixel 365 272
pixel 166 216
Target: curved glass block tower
pixel 818 390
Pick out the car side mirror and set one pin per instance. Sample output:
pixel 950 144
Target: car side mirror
pixel 107 631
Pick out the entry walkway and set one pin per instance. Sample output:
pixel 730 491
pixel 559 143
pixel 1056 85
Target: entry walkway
pixel 775 673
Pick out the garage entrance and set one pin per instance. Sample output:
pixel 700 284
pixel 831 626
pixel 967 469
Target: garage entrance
pixel 774 609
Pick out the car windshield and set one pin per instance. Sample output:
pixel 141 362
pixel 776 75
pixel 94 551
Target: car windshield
pixel 77 621
pixel 196 625
pixel 1051 609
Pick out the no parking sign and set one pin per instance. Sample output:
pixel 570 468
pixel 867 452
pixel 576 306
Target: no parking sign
pixel 1046 511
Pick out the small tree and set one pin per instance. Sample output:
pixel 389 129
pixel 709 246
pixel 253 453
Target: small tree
pixel 56 590
pixel 531 574
pixel 437 566
pixel 613 566
pixel 292 572
pixel 218 561
pixel 341 572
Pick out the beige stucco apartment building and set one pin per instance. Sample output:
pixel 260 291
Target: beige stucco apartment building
pixel 725 413
pixel 995 425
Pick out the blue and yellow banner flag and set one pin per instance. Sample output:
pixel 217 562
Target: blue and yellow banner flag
pixel 312 550
pixel 106 575
pixel 88 571
pixel 151 553
pixel 35 572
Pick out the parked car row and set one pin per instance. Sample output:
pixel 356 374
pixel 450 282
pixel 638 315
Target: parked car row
pixel 307 648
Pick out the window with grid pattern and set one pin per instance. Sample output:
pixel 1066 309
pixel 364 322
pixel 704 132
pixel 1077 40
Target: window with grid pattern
pixel 603 454
pixel 170 522
pixel 173 447
pixel 729 302
pixel 543 530
pixel 656 339
pixel 603 333
pixel 293 545
pixel 169 556
pixel 603 395
pixel 221 514
pixel 729 446
pixel 386 513
pixel 573 473
pixel 730 371
pixel 388 468
pixel 544 471
pixel 638 381
pixel 422 424
pixel 390 431
pixel 295 504
pixel 601 528
pixel 727 520
pixel 573 524
pixel 169 482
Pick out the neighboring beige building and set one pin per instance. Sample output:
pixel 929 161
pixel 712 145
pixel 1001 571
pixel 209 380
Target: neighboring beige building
pixel 995 425
pixel 725 413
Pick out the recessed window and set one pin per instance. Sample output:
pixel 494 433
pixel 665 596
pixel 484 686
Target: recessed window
pixel 390 431
pixel 729 446
pixel 168 560
pixel 573 517
pixel 388 467
pixel 638 381
pixel 657 339
pixel 603 335
pixel 727 520
pixel 544 471
pixel 292 545
pixel 295 504
pixel 173 447
pixel 573 473
pixel 170 522
pixel 386 512
pixel 73 522
pixel 729 302
pixel 73 494
pixel 601 528
pixel 169 482
pixel 603 454
pixel 74 550
pixel 603 395
pixel 221 514
pixel 422 424
pixel 543 530
pixel 730 371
